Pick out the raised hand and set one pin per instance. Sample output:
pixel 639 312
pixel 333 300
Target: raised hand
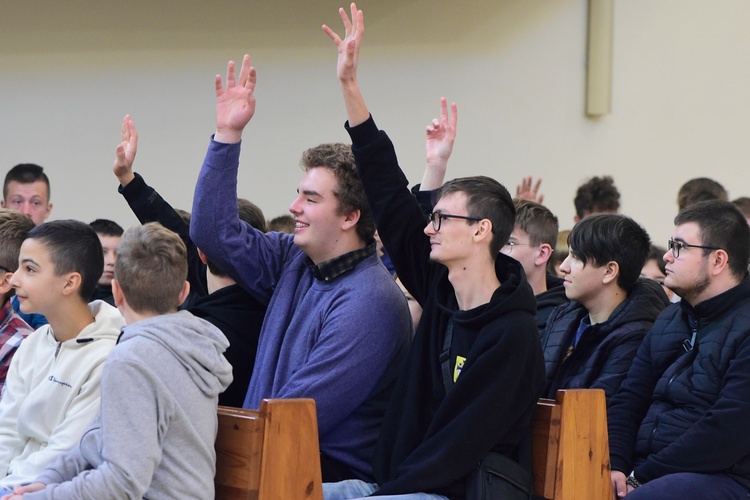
pixel 440 136
pixel 529 191
pixel 235 104
pixel 125 152
pixel 348 48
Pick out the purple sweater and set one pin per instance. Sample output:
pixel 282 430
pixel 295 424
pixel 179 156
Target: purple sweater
pixel 347 337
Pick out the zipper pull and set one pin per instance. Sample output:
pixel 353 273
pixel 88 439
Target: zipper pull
pixel 57 351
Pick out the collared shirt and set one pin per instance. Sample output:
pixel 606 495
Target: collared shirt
pixel 330 269
pixel 13 330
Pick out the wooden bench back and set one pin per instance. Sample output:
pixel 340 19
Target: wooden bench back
pixel 268 454
pixel 570 447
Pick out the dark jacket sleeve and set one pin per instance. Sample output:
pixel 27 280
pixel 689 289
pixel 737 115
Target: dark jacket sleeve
pixel 398 215
pixel 149 206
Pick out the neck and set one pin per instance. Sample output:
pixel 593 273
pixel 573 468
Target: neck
pixel 348 242
pixel 215 282
pixel 134 317
pixel 474 283
pixel 68 322
pixel 602 306
pixel 538 281
pixel 717 286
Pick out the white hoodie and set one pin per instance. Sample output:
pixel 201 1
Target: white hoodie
pixel 52 394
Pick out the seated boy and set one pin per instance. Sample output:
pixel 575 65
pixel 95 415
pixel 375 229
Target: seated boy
pixel 109 233
pixel 591 342
pixel 14 226
pixel 52 389
pixel 160 386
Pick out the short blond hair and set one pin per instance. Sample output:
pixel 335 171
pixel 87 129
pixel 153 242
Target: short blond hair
pixel 14 227
pixel 151 268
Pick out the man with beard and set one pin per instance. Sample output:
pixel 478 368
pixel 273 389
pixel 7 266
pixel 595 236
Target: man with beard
pixel 678 424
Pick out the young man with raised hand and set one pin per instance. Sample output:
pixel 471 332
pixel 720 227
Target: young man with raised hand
pixel 337 326
pixel 475 368
pixel 678 424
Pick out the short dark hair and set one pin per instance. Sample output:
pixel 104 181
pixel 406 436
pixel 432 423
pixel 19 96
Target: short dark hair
pixel 602 238
pixel 151 268
pixel 537 221
pixel 721 225
pixel 655 252
pixel 282 224
pixel 743 203
pixel 73 247
pixel 250 213
pixel 700 189
pixel 350 193
pixel 486 199
pixel 598 194
pixel 14 228
pixel 26 173
pixel 106 227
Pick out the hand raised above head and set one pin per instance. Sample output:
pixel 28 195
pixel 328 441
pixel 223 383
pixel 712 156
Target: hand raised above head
pixel 441 134
pixel 348 47
pixel 235 104
pixel 529 191
pixel 125 152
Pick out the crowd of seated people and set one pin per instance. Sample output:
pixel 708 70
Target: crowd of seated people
pixel 425 322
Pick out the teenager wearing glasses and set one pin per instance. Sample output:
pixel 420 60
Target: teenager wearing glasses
pixel 475 368
pixel 678 424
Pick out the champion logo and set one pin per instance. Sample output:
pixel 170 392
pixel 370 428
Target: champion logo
pixel 52 378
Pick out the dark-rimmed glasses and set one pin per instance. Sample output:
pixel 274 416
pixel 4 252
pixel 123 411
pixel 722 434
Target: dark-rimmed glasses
pixel 437 219
pixel 676 246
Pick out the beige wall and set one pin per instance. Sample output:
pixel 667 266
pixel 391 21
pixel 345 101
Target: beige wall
pixel 70 70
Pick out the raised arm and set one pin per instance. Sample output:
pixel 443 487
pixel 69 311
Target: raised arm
pixel 149 206
pixel 529 191
pixel 440 136
pixel 346 68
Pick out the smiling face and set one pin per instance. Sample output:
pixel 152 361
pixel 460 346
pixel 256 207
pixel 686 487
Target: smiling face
pixel 109 247
pixel 319 227
pixel 37 285
pixel 31 199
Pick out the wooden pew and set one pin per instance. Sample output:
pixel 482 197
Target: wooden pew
pixel 268 454
pixel 570 447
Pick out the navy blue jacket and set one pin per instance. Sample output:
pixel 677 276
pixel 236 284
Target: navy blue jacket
pixel 604 354
pixel 687 410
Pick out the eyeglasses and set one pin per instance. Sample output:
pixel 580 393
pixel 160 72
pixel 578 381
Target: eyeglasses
pixel 508 247
pixel 437 219
pixel 676 246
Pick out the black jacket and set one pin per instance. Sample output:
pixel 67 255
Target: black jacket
pixel 603 356
pixel 548 301
pixel 430 441
pixel 683 410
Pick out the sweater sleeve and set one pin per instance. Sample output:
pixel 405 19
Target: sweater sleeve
pixel 149 206
pixel 717 441
pixel 398 215
pixel 128 459
pixel 253 259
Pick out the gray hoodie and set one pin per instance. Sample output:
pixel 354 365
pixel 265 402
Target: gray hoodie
pixel 155 435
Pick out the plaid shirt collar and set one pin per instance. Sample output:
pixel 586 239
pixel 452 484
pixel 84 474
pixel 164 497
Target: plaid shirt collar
pixel 331 269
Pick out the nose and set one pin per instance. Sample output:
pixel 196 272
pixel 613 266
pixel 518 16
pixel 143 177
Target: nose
pixel 429 230
pixel 565 265
pixel 668 256
pixel 13 281
pixel 26 208
pixel 295 207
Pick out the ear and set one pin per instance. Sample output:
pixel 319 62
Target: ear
pixel 183 293
pixel 718 261
pixel 117 294
pixel 2 203
pixel 544 254
pixel 611 272
pixel 350 220
pixel 483 230
pixel 202 257
pixel 576 219
pixel 72 283
pixel 5 282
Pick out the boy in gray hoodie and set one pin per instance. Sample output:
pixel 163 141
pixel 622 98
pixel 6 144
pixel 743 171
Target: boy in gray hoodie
pixel 167 364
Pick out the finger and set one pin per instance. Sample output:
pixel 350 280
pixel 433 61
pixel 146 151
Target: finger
pixel 252 79
pixel 538 183
pixel 454 115
pixel 540 199
pixel 119 155
pixel 124 128
pixel 244 70
pixel 231 82
pixel 360 29
pixel 444 110
pixel 345 19
pixel 435 123
pixel 219 86
pixel 332 34
pixel 132 132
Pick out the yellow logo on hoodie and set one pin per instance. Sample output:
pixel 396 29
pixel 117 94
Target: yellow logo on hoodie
pixel 460 360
